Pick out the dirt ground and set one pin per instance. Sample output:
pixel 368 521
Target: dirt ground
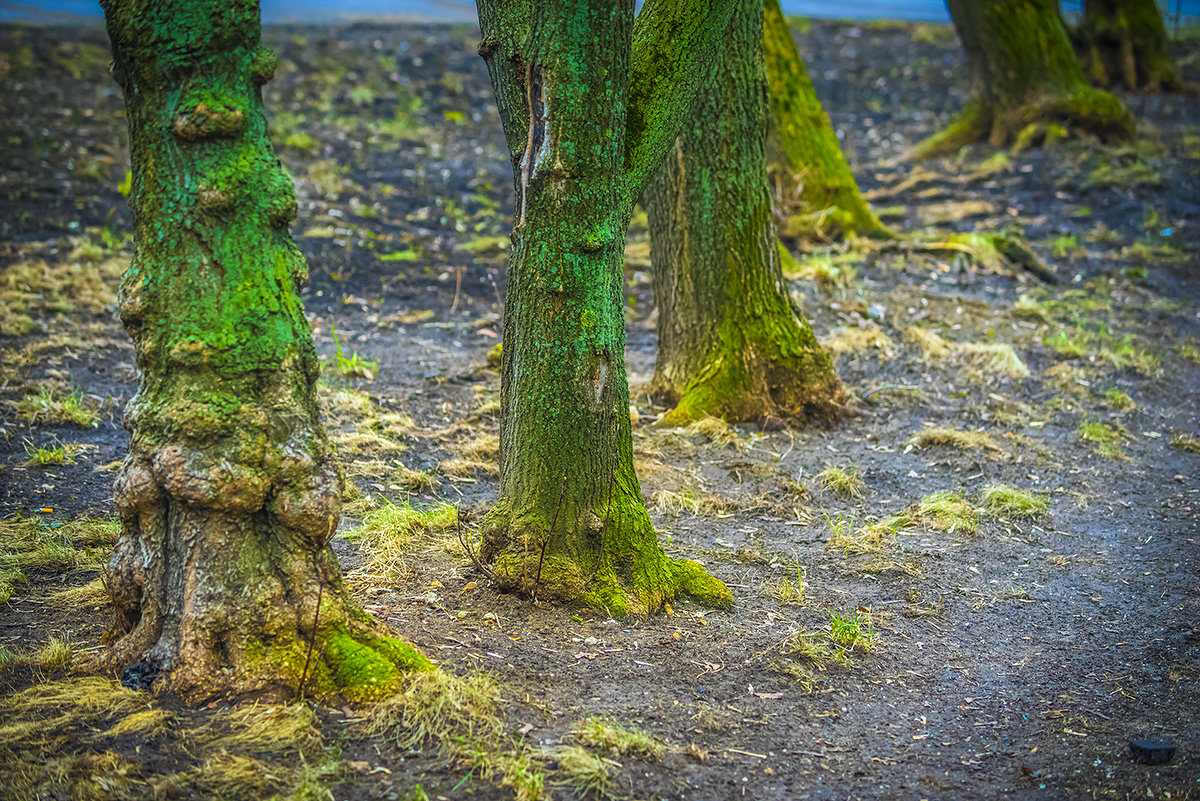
pixel 900 630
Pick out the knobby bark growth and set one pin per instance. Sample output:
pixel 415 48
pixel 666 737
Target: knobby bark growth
pixel 1023 73
pixel 1123 43
pixel 590 102
pixel 731 342
pixel 816 195
pixel 229 495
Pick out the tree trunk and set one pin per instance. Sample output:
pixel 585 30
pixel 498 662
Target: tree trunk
pixel 731 343
pixel 815 192
pixel 1123 43
pixel 589 102
pixel 1024 73
pixel 229 495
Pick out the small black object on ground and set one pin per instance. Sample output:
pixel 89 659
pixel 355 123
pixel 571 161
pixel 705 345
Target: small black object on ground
pixel 1152 752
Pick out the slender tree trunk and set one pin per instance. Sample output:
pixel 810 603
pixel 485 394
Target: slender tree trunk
pixel 815 192
pixel 587 114
pixel 229 495
pixel 731 343
pixel 1123 43
pixel 1024 73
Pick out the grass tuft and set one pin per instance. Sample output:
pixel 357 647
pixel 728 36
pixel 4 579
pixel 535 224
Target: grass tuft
pixel 856 341
pixel 1106 438
pixel 585 772
pixel 951 438
pixel 618 740
pixel 387 534
pixel 1003 501
pixel 50 405
pixel 47 457
pixel 438 708
pixel 842 483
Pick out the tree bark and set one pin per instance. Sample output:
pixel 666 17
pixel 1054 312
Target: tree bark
pixel 816 196
pixel 731 342
pixel 589 101
pixel 229 495
pixel 1024 73
pixel 1123 43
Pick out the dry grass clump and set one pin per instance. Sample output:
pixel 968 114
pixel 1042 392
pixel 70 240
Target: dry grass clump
pixel 359 444
pixel 387 534
pixel 855 341
pixel 43 713
pixel 91 595
pixel 788 592
pixel 79 282
pixel 438 708
pixel 993 357
pixel 1185 443
pixel 951 438
pixel 478 455
pixel 932 346
pixel 264 729
pixel 27 544
pixel 949 512
pixel 617 740
pixel 714 431
pixel 689 500
pixel 1000 500
pixel 584 772
pixel 841 482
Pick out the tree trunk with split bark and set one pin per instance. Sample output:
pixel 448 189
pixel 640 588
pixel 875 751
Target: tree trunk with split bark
pixel 1025 80
pixel 229 495
pixel 590 101
pixel 816 196
pixel 731 341
pixel 1123 43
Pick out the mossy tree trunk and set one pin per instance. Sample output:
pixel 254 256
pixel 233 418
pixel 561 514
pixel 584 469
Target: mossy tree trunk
pixel 731 342
pixel 229 495
pixel 815 193
pixel 1123 43
pixel 1023 72
pixel 590 102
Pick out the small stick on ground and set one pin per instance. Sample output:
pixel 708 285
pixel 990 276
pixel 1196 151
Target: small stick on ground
pixel 546 541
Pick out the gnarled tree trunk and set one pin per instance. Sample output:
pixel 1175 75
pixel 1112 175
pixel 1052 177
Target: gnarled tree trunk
pixel 589 102
pixel 1023 72
pixel 815 192
pixel 1123 43
pixel 731 342
pixel 229 495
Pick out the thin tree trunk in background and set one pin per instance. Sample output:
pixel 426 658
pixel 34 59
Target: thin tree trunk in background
pixel 731 342
pixel 1025 78
pixel 229 495
pixel 1123 43
pixel 590 102
pixel 815 192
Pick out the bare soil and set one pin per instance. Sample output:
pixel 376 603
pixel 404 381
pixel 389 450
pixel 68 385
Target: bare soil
pixel 1016 660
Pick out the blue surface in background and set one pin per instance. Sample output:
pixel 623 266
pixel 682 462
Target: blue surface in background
pixel 279 11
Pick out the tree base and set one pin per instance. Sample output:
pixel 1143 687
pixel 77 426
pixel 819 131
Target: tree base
pixel 611 560
pixel 765 369
pixel 1082 111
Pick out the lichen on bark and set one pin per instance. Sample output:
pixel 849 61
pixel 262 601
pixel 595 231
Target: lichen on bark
pixel 815 194
pixel 731 341
pixel 1023 72
pixel 590 101
pixel 229 494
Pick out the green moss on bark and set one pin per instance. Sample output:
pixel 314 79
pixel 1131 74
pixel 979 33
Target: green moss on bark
pixel 816 196
pixel 732 343
pixel 229 494
pixel 589 102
